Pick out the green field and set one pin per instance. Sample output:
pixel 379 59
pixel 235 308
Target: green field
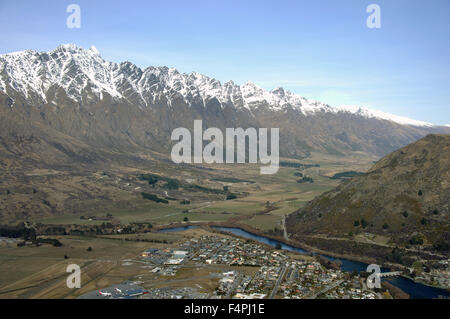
pixel 264 199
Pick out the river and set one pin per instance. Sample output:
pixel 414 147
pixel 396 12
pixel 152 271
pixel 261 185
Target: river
pixel 415 290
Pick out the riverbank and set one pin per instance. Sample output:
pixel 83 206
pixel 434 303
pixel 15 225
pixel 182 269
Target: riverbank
pixel 290 242
pixel 296 244
pixel 350 262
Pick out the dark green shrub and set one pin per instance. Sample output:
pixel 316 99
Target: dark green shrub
pixel 364 223
pixel 154 198
pixel 231 196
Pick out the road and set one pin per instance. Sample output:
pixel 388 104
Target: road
pixel 285 234
pixel 277 284
pixel 329 287
pixel 236 282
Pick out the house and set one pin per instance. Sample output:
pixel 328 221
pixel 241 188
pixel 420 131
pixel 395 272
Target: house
pixel 135 292
pixel 174 261
pixel 149 252
pixel 179 254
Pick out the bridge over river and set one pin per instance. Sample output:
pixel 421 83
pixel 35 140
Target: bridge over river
pixel 390 274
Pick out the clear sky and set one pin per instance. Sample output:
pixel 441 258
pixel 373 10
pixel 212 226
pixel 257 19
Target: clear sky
pixel 320 49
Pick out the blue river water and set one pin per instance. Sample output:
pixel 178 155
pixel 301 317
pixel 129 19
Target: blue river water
pixel 415 290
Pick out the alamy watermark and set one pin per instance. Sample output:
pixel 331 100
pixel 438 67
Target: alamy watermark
pixel 374 19
pixel 213 152
pixel 74 279
pixel 374 279
pixel 74 19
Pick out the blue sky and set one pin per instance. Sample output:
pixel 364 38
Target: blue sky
pixel 319 49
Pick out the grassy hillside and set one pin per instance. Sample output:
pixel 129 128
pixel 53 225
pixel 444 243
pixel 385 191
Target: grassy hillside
pixel 402 200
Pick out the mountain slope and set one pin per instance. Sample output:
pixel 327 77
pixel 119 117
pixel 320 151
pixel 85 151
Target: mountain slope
pixel 67 115
pixel 404 197
pixel 104 104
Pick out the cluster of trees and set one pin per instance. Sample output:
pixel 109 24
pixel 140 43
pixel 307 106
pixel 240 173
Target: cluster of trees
pixel 108 228
pixel 364 223
pixel 153 180
pixel 51 241
pixel 232 180
pixel 55 230
pixel 19 231
pixel 39 241
pixel 154 198
pixel 347 174
pixel 395 292
pixel 142 225
pixel 396 255
pixel 203 189
pixel 174 184
pixel 305 179
pixel 107 225
pixel 416 240
pixel 443 242
pixel 442 245
pixel 231 196
pixel 329 264
pixel 297 165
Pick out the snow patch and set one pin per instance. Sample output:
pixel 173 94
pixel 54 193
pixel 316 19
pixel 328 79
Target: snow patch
pixel 369 113
pixel 83 72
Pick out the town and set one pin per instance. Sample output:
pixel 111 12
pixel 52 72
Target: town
pixel 240 269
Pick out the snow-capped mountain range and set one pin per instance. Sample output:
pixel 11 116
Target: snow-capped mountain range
pixel 67 114
pixel 369 113
pixel 86 77
pixel 71 99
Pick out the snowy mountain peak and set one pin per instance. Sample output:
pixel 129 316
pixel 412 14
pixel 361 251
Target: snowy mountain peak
pixel 279 91
pixel 68 47
pixel 369 113
pixel 94 50
pixel 85 76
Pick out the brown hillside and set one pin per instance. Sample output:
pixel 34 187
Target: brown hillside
pixel 405 196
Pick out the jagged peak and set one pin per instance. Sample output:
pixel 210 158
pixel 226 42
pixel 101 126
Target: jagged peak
pixel 34 72
pixel 94 50
pixel 66 48
pixel 279 91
